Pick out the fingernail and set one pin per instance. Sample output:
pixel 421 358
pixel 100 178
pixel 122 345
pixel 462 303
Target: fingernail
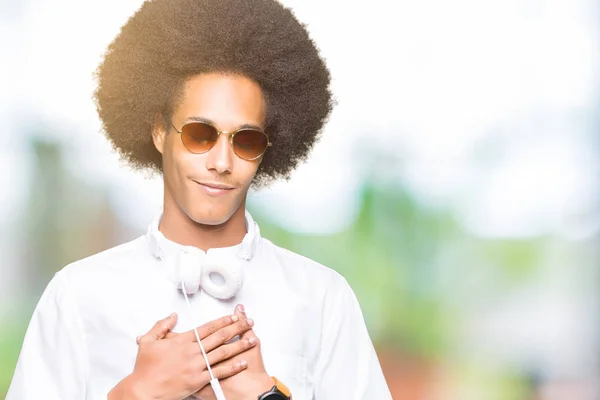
pixel 244 364
pixel 252 341
pixel 137 339
pixel 250 322
pixel 241 308
pixel 235 318
pixel 172 315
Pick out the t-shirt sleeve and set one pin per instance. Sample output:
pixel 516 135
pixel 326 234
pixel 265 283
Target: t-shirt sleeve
pixel 52 364
pixel 347 367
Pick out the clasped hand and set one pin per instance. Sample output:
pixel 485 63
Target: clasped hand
pixel 170 366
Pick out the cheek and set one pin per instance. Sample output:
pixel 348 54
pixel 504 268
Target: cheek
pixel 175 165
pixel 247 171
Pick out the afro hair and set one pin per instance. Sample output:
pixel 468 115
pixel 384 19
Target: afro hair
pixel 168 41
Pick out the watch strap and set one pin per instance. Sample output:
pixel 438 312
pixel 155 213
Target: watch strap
pixel 282 388
pixel 279 390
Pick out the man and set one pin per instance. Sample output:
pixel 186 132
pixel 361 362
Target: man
pixel 217 96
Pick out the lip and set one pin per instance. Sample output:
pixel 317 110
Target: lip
pixel 215 189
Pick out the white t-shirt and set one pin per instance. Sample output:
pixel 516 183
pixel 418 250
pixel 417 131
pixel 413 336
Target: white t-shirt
pixel 81 339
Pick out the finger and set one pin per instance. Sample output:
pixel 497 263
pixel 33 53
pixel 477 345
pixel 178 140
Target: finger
pixel 240 311
pixel 225 334
pixel 228 351
pixel 228 369
pixel 209 328
pixel 159 330
pixel 222 371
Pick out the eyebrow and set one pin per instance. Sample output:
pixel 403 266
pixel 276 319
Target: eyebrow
pixel 211 122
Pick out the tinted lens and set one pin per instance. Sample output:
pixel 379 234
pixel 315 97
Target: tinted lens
pixel 199 137
pixel 249 143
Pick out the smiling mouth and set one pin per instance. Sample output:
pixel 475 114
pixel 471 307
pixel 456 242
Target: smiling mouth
pixel 216 185
pixel 215 189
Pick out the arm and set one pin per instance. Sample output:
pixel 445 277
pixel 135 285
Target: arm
pixel 52 363
pixel 347 367
pixel 169 366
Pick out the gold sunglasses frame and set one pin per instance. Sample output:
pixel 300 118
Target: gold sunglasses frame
pixel 219 133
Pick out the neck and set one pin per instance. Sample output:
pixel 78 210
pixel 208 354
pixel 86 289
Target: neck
pixel 178 227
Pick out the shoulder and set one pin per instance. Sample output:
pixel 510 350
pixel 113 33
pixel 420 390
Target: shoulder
pixel 116 260
pixel 321 278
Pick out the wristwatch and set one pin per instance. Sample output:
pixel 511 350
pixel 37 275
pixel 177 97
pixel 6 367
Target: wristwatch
pixel 277 392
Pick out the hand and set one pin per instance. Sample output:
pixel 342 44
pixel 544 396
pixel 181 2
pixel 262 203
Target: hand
pixel 248 384
pixel 172 368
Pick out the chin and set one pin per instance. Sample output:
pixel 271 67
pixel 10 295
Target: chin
pixel 204 219
pixel 205 216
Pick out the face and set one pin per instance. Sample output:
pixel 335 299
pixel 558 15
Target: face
pixel 210 187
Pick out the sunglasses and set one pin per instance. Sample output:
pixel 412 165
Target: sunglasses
pixel 247 143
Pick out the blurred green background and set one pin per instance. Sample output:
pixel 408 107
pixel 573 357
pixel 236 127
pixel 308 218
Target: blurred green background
pixel 455 187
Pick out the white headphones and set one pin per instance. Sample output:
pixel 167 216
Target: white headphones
pixel 219 272
pixel 220 277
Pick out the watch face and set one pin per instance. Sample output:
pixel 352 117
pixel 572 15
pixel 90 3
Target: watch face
pixel 273 396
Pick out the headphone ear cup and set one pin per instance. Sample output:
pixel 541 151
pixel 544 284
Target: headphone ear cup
pixel 222 280
pixel 189 272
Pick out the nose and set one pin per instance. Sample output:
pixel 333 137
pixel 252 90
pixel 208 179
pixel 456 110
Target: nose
pixel 220 157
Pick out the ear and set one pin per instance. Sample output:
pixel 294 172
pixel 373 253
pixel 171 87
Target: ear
pixel 159 133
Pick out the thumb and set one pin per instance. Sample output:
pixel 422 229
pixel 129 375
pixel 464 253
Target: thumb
pixel 159 330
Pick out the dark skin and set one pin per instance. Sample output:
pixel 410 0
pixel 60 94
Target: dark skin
pixel 247 384
pixel 174 368
pixel 170 366
pixel 192 216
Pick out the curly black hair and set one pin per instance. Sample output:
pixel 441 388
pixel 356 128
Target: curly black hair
pixel 168 41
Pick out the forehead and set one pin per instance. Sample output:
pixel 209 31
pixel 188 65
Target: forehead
pixel 226 99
